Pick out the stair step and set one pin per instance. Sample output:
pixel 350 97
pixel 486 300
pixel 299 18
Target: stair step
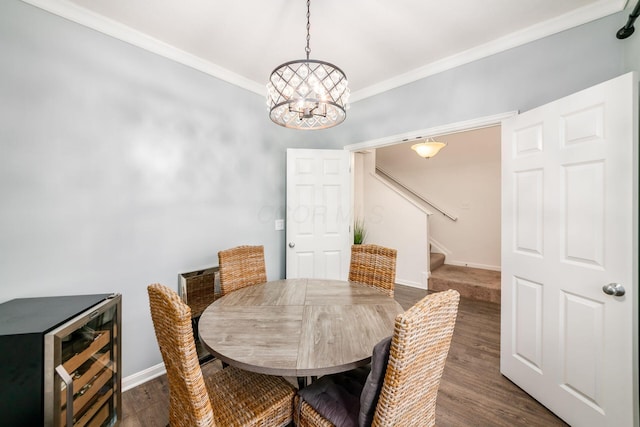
pixel 436 260
pixel 472 283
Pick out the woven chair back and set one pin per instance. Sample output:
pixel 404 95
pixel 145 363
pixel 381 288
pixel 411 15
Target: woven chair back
pixel 240 267
pixel 419 349
pixel 373 265
pixel 189 404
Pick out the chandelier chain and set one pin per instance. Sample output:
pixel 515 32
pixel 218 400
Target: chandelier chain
pixel 308 49
pixel 307 94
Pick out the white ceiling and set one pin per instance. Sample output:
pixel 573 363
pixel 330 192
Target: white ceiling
pixel 379 44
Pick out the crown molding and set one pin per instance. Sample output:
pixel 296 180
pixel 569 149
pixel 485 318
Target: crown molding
pixel 127 34
pixel 87 18
pixel 561 23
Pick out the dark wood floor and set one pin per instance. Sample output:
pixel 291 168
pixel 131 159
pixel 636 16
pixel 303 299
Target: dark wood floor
pixel 472 391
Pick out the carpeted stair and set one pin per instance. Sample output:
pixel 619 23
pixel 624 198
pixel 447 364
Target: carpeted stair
pixel 472 283
pixel 436 260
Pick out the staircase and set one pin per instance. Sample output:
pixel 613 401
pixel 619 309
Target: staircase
pixel 472 283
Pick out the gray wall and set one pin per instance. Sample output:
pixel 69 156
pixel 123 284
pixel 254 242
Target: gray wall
pixel 119 168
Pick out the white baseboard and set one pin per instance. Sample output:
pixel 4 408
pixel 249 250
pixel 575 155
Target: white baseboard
pixel 474 265
pixel 411 284
pixel 143 376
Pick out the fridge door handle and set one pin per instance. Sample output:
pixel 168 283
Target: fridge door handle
pixel 69 383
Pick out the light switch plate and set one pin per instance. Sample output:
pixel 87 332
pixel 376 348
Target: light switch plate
pixel 279 224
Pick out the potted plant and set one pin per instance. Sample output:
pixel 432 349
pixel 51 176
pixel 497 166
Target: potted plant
pixel 359 232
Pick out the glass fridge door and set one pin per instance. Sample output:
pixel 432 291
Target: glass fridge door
pixel 86 368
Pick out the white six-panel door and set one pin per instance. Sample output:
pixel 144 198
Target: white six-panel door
pixel 318 214
pixel 570 202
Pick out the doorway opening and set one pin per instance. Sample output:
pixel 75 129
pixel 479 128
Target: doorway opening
pixel 459 224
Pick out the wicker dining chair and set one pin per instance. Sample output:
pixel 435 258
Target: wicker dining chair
pixel 409 382
pixel 230 397
pixel 240 267
pixel 373 265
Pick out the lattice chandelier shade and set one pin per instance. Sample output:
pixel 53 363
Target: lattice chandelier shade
pixel 307 93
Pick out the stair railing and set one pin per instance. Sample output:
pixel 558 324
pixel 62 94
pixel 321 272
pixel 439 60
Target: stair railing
pixel 395 182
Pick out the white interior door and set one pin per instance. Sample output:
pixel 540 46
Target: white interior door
pixel 318 213
pixel 569 189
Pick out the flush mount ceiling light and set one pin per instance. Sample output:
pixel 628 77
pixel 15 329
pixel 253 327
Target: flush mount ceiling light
pixel 307 93
pixel 428 148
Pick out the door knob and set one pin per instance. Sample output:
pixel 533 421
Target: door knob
pixel 292 245
pixel 615 289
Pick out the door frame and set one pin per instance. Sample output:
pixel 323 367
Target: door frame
pixel 436 131
pixel 456 127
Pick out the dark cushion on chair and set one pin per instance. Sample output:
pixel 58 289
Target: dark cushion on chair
pixel 349 399
pixel 373 385
pixel 337 397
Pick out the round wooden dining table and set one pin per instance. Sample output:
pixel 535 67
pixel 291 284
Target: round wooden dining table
pixel 298 327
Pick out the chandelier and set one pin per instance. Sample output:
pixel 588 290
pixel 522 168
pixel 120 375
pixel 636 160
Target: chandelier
pixel 428 148
pixel 307 93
